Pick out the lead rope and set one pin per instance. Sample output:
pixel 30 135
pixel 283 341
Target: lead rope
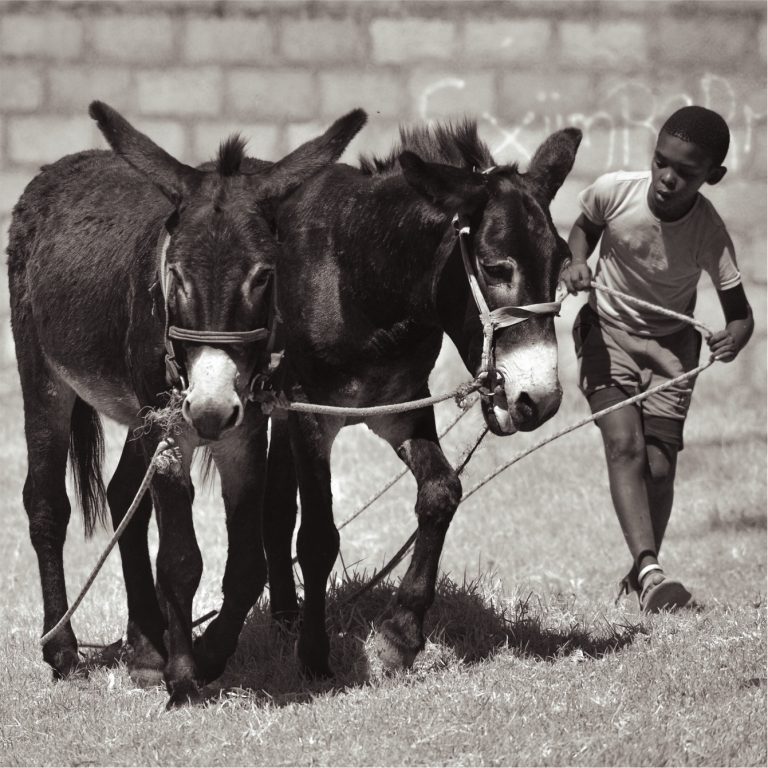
pixel 398 557
pixel 165 454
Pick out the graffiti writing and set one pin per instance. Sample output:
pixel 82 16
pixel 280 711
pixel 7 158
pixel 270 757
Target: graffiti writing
pixel 631 112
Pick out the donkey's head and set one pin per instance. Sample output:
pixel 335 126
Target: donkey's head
pixel 218 258
pixel 512 254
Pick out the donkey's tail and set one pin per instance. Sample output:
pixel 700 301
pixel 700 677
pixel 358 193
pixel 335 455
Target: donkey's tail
pixel 86 452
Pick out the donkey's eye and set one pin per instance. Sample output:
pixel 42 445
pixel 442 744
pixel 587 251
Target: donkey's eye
pixel 261 278
pixel 500 271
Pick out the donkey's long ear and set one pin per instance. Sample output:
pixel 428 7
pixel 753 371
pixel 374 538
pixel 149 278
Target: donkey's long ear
pixel 450 189
pixel 553 161
pixel 311 157
pixel 174 179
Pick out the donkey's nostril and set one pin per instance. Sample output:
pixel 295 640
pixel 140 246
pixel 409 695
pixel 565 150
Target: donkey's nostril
pixel 526 407
pixel 235 418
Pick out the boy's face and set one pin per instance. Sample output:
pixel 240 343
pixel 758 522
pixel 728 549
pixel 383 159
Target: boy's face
pixel 678 170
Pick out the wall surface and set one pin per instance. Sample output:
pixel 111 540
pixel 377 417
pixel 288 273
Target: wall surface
pixel 188 73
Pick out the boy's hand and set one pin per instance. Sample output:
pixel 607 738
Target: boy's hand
pixel 723 346
pixel 576 276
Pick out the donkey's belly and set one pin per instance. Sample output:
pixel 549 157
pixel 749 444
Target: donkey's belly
pixel 110 397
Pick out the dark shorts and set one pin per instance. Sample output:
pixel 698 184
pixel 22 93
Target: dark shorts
pixel 615 365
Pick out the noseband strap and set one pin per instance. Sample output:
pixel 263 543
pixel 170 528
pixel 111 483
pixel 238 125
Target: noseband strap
pixel 501 317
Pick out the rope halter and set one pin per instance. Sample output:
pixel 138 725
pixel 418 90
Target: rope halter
pixel 493 319
pixel 173 369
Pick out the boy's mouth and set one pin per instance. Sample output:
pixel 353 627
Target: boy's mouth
pixel 663 197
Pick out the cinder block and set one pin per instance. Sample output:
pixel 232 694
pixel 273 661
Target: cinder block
pixel 262 139
pixel 280 93
pixel 378 138
pixel 12 184
pixel 47 34
pixel 319 40
pixel 177 91
pixel 232 40
pixel 171 135
pixel 439 94
pixel 379 92
pixel 146 39
pixel 507 40
pixel 72 88
pixel 619 44
pixel 44 138
pixel 21 87
pixel 533 97
pixel 714 40
pixel 295 134
pixel 565 207
pixel 605 149
pixel 512 146
pixel 414 39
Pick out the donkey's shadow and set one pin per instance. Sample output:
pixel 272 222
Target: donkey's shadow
pixel 463 627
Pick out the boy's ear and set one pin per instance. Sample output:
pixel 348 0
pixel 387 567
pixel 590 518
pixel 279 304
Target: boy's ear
pixel 716 174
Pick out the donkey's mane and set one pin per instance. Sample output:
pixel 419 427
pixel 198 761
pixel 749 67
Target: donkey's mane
pixel 231 155
pixel 454 144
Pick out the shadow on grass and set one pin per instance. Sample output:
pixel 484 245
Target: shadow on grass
pixel 464 627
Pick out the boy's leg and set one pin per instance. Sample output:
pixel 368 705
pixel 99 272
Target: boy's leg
pixel 660 485
pixel 625 453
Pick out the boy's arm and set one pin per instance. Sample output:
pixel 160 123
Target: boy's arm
pixel 576 274
pixel 739 324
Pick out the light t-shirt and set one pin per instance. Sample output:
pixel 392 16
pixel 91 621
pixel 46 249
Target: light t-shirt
pixel 660 262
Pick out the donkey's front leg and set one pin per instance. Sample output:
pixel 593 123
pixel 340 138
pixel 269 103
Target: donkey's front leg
pixel 146 624
pixel 438 496
pixel 241 461
pixel 179 568
pixel 317 544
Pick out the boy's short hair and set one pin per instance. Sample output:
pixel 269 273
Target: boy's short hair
pixel 703 127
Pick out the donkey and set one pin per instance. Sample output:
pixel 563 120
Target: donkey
pixel 131 273
pixel 373 271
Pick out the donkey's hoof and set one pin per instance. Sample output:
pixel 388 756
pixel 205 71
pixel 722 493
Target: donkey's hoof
pixel 183 693
pixel 67 665
pixel 313 664
pixel 145 664
pixel 390 650
pixel 209 661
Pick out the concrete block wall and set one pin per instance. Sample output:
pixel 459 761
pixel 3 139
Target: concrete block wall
pixel 279 71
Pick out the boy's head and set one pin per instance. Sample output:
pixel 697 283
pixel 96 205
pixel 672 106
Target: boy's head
pixel 690 150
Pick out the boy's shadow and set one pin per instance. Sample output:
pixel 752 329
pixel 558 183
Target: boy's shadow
pixel 462 627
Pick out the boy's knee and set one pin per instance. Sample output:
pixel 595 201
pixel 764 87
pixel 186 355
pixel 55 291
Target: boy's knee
pixel 662 460
pixel 627 447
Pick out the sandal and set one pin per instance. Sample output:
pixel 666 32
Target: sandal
pixel 660 593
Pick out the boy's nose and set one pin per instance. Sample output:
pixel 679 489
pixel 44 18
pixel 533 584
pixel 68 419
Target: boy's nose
pixel 668 180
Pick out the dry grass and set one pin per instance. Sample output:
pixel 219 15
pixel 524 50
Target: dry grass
pixel 528 661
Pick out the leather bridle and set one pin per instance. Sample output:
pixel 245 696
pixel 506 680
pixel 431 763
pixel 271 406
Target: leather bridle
pixel 492 319
pixel 174 370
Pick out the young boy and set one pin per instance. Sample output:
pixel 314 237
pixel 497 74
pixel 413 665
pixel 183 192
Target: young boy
pixel 658 234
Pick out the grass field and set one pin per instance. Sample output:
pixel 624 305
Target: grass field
pixel 528 662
